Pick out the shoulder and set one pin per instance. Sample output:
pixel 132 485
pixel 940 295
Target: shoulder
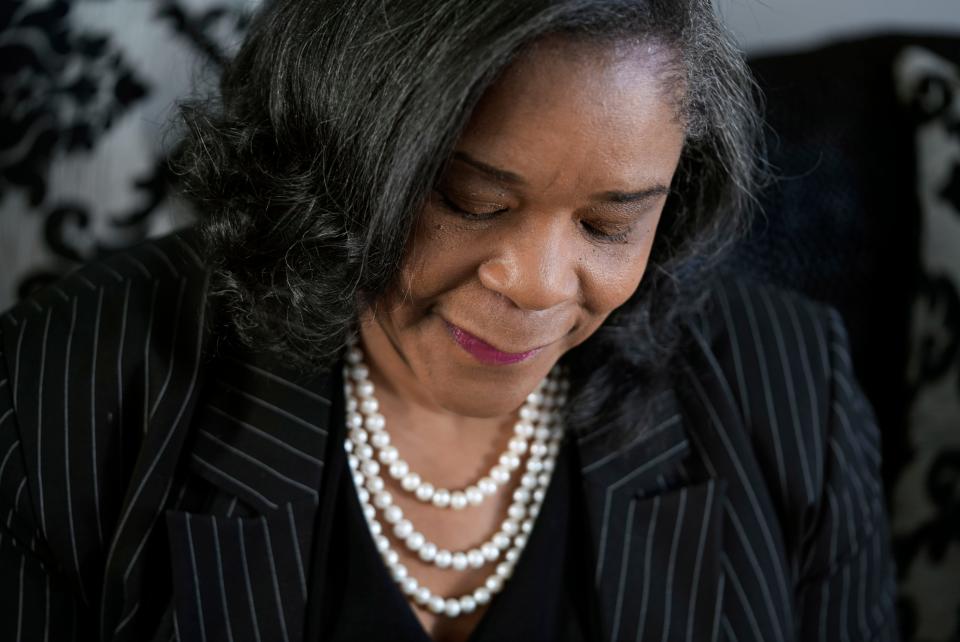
pixel 158 261
pixel 766 346
pixel 84 365
pixel 102 302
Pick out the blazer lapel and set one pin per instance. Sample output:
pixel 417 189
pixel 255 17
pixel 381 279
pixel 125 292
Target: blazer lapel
pixel 656 533
pixel 260 435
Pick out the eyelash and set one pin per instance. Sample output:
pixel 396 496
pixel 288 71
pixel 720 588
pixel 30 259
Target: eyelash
pixel 471 216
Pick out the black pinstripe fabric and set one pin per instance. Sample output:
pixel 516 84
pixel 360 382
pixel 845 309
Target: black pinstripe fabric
pixel 149 491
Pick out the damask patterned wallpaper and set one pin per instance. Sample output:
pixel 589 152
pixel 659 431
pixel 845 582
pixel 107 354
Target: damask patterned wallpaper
pixel 87 115
pixel 926 497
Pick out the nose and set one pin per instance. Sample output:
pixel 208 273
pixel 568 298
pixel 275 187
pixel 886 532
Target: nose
pixel 533 264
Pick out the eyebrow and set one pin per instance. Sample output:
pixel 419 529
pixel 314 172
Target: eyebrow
pixel 506 176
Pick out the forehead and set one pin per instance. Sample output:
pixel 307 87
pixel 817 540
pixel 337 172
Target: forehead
pixel 608 110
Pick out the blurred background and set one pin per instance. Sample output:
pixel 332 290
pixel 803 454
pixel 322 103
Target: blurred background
pixel 863 106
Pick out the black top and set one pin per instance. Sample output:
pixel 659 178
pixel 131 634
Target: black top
pixel 545 599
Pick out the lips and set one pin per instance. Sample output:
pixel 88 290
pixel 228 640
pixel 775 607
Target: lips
pixel 485 352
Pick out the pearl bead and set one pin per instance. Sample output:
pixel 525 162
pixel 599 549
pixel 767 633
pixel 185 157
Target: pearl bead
pixel 421 595
pixel 436 604
pixel 391 557
pixel 526 525
pixel 382 543
pixel 382 499
pixel 452 608
pixel 487 486
pixel 494 583
pixel 370 468
pixel 441 498
pixel 499 475
pixel 510 527
pixel 538 449
pixel 529 414
pixel 375 484
pixel 393 514
pixel 476 558
pixel 389 454
pixel 501 541
pixel 517 511
pixel 538 495
pixel 535 398
pixel 509 461
pixel 523 429
pixel 399 469
pixel 358 479
pixel 443 558
pixel 354 356
pixel 399 572
pixel 369 512
pixel 481 596
pixel 348 445
pixel 359 372
pixel 474 495
pixel 534 465
pixel 458 500
pixel 365 452
pixel 410 481
pixel 354 420
pixel 369 405
pixel 425 492
pixel 512 555
pixel 544 479
pixel 365 390
pixel 490 551
pixel 517 446
pixel 375 422
pixel 528 481
pixel 363 495
pixel 403 528
pixel 375 527
pixel 380 439
pixel 410 585
pixel 428 551
pixel 520 541
pixel 504 569
pixel 459 561
pixel 415 541
pixel 353 462
pixel 467 604
pixel 521 495
pixel 541 433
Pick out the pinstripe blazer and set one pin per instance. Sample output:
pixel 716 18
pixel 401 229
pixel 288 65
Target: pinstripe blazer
pixel 150 491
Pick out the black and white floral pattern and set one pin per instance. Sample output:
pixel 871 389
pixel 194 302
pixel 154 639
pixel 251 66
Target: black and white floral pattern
pixel 926 499
pixel 87 102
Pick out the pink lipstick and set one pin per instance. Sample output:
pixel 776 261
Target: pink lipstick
pixel 485 352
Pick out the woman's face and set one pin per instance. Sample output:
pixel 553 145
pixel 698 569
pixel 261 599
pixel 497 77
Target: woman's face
pixel 540 227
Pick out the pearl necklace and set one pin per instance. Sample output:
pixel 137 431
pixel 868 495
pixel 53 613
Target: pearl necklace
pixel 510 539
pixel 364 413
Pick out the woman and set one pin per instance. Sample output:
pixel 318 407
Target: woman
pixel 445 358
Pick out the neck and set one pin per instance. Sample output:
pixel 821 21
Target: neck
pixel 421 428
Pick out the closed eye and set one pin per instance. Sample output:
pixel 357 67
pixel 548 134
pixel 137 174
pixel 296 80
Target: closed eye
pixel 467 213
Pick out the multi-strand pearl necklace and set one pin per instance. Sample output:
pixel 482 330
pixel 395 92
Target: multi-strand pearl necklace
pixel 367 436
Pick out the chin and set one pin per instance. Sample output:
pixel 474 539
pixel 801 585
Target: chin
pixel 474 401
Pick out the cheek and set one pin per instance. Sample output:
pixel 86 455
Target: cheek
pixel 611 278
pixel 435 262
